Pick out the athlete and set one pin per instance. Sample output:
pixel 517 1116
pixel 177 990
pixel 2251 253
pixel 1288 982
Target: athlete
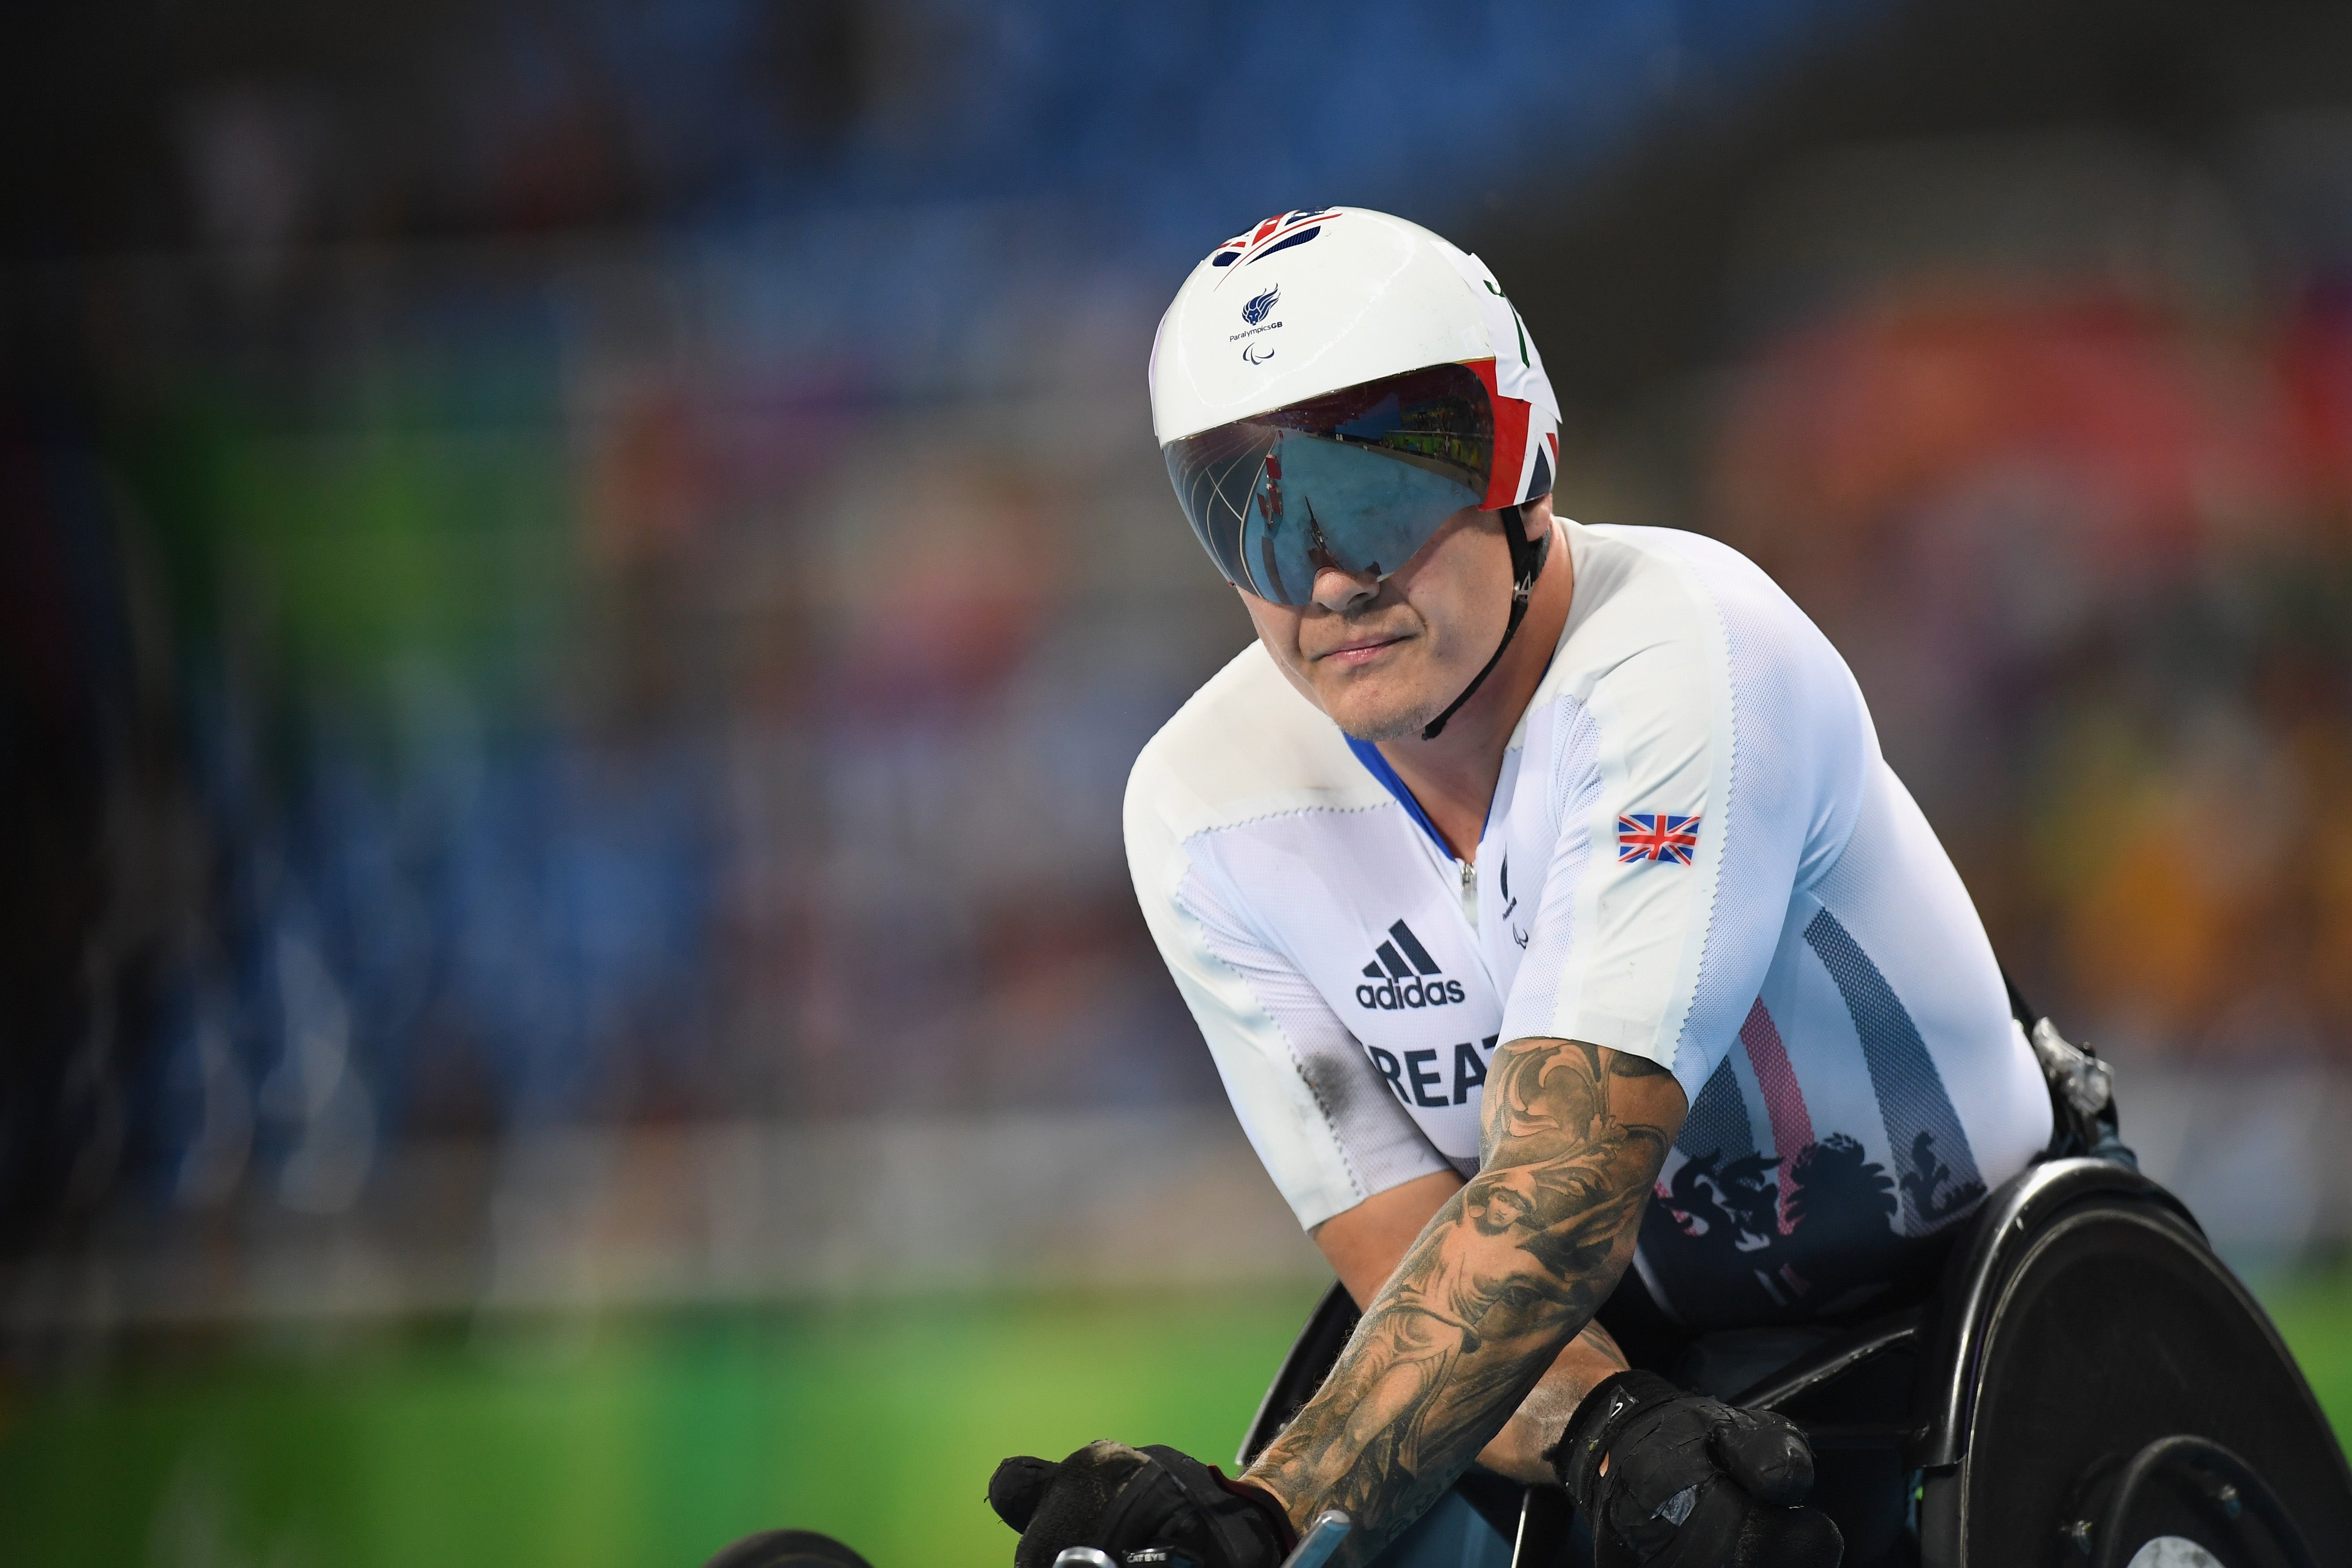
pixel 1557 928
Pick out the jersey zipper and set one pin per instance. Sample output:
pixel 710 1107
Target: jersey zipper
pixel 1469 892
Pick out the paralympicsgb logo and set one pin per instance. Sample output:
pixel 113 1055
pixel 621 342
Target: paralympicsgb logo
pixel 1403 974
pixel 1260 307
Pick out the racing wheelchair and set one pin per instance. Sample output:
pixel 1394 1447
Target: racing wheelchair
pixel 2087 1384
pixel 2084 1384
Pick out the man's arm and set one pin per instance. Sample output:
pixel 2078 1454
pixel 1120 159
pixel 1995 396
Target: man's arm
pixel 1505 1274
pixel 1366 1243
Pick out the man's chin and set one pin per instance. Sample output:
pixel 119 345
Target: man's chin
pixel 1382 703
pixel 1382 722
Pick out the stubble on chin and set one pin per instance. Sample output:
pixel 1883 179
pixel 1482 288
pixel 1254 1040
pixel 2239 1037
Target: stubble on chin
pixel 1372 716
pixel 1395 726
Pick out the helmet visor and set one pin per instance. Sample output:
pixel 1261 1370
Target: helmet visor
pixel 1358 478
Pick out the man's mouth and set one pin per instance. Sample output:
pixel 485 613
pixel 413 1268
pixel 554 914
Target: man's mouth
pixel 1359 650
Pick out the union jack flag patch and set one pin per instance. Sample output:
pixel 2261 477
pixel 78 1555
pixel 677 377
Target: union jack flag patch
pixel 1651 836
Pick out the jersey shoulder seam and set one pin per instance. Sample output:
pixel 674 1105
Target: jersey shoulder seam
pixel 1290 1049
pixel 1274 813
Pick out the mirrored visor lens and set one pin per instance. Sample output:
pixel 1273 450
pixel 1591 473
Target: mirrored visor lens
pixel 1358 479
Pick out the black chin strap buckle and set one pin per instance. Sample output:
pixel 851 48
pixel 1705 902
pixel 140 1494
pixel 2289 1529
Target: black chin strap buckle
pixel 1527 557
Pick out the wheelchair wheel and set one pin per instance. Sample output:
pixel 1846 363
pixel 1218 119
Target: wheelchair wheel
pixel 788 1549
pixel 2133 1406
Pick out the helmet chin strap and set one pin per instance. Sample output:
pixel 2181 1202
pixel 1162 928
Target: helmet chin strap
pixel 1528 556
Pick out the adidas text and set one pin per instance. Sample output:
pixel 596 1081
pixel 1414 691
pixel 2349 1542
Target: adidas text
pixel 1390 996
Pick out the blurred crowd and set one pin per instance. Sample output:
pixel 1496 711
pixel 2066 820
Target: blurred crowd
pixel 632 599
pixel 669 740
pixel 2066 470
pixel 605 564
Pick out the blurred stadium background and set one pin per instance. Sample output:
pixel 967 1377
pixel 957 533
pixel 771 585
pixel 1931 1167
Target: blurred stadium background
pixel 579 580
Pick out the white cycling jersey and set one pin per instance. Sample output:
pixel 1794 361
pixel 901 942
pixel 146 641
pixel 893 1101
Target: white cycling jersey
pixel 1696 853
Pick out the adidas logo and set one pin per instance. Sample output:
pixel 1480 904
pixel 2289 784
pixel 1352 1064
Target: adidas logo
pixel 1403 974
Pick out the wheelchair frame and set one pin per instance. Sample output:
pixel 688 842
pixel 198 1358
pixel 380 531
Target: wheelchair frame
pixel 1976 1304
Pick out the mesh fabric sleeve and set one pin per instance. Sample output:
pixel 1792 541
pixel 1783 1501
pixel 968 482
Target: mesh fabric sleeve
pixel 1316 1112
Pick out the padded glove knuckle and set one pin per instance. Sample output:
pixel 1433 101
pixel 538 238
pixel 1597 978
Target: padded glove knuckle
pixel 1018 1486
pixel 1765 1452
pixel 1673 1479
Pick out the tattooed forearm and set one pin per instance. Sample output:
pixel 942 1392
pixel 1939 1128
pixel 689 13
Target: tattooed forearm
pixel 1517 1450
pixel 1502 1276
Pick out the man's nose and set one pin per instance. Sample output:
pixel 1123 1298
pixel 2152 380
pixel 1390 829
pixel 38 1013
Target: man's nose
pixel 1341 592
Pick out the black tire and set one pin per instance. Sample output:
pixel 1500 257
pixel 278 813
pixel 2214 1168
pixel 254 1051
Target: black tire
pixel 788 1549
pixel 2117 1331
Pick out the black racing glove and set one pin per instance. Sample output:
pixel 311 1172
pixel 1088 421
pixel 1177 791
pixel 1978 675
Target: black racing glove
pixel 1672 1480
pixel 1148 1508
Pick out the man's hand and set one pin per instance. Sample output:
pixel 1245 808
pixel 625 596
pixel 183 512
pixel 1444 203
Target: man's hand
pixel 1504 1275
pixel 1147 1508
pixel 1679 1480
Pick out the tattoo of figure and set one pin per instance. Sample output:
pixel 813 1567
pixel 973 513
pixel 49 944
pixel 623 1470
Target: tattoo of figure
pixel 1506 1273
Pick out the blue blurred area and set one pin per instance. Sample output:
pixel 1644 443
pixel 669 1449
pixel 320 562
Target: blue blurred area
pixel 600 575
pixel 598 568
pixel 1156 125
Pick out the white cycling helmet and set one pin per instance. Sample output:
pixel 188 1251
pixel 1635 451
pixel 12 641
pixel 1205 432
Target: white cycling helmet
pixel 1332 385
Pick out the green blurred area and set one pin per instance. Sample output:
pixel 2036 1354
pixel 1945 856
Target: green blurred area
pixel 2314 1310
pixel 650 1442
